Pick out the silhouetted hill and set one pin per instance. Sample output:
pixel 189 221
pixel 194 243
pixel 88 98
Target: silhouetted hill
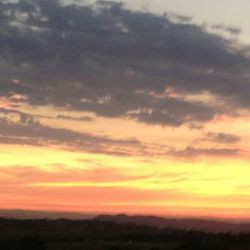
pixel 182 224
pixel 154 221
pixel 103 235
pixel 29 214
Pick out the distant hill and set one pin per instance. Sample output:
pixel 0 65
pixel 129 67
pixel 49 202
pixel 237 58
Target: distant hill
pixel 182 224
pixel 204 225
pixel 29 214
pixel 64 234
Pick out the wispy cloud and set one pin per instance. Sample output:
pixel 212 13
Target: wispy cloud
pixel 223 138
pixel 191 152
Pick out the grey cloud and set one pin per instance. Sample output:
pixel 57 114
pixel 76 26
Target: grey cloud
pixel 24 118
pixel 176 112
pixel 100 58
pixel 191 152
pixel 25 129
pixel 8 140
pixel 38 135
pixel 223 138
pixel 177 17
pixel 81 118
pixel 8 88
pixel 195 126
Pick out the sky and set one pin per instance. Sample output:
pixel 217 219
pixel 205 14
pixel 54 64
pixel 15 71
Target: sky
pixel 140 107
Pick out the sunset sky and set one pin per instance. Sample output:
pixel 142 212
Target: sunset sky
pixel 140 107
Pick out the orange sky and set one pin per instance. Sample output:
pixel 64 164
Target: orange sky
pixel 119 118
pixel 148 180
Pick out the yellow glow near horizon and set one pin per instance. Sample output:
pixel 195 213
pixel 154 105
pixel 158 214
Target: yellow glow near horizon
pixel 205 183
pixel 109 122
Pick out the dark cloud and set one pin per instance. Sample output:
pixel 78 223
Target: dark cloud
pixel 191 152
pixel 223 138
pixel 22 117
pixel 72 118
pixel 8 140
pixel 175 112
pixel 177 17
pixel 195 126
pixel 117 63
pixel 25 132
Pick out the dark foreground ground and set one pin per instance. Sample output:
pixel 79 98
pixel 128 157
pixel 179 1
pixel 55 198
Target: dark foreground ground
pixel 100 235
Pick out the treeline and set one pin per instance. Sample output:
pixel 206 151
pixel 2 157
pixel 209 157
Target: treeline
pixel 98 235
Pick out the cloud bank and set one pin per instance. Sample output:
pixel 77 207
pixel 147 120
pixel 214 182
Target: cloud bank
pixel 115 62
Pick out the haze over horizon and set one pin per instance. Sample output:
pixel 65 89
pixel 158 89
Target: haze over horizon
pixel 136 107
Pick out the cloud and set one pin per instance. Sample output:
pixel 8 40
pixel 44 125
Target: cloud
pixel 191 152
pixel 178 18
pixel 27 130
pixel 223 138
pixel 109 60
pixel 22 117
pixel 36 134
pixel 229 29
pixel 21 175
pixel 175 112
pixel 81 118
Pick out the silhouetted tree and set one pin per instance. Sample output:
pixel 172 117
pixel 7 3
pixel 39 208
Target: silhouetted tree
pixel 32 243
pixel 113 248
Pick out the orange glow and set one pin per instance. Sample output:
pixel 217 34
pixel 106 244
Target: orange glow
pixel 49 178
pixel 134 112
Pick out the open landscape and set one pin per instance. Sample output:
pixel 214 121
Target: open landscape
pixel 101 233
pixel 124 125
